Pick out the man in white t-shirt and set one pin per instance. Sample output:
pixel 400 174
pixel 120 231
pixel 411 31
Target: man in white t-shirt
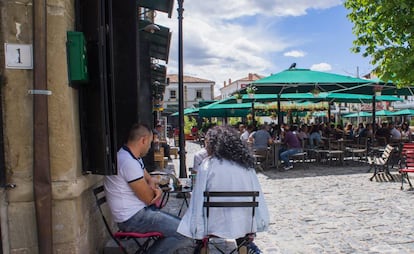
pixel 395 134
pixel 131 195
pixel 246 134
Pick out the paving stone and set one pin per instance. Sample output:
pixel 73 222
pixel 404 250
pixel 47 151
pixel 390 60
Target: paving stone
pixel 330 209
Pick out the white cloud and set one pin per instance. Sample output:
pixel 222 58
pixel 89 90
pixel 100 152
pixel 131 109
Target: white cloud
pixel 321 67
pixel 295 53
pixel 231 38
pixel 230 9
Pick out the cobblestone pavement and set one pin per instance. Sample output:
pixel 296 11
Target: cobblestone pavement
pixel 331 209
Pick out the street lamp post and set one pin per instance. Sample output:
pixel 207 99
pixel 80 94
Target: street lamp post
pixel 183 168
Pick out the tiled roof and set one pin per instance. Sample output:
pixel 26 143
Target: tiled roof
pixel 254 76
pixel 187 79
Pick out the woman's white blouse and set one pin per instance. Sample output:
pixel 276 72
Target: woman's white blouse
pixel 231 223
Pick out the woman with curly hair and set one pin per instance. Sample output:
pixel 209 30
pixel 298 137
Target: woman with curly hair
pixel 228 167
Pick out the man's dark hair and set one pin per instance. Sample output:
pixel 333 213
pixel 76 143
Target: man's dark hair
pixel 138 131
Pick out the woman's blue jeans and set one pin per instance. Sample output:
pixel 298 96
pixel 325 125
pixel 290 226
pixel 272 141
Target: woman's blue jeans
pixel 314 139
pixel 152 219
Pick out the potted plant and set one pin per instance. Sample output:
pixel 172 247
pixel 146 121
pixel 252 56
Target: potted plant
pixel 251 90
pixel 238 97
pixel 377 90
pixel 315 92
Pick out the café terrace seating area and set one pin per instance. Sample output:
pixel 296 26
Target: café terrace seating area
pixel 381 156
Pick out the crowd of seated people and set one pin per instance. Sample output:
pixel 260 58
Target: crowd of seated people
pixel 316 136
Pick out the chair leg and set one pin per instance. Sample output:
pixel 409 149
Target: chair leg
pixel 403 174
pixel 390 175
pixel 201 247
pixel 409 182
pixel 375 172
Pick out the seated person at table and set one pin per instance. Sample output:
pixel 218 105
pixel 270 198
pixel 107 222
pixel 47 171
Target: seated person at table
pixel 229 167
pixel 360 129
pixel 242 129
pixel 406 132
pixel 131 195
pixel 349 131
pixel 302 133
pixel 246 134
pixel 315 138
pixel 261 139
pixel 395 134
pixel 366 132
pixel 383 134
pixel 339 131
pixel 293 146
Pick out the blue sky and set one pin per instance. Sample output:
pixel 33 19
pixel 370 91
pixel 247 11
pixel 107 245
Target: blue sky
pixel 264 37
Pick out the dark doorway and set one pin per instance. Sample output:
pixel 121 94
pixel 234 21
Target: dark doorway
pixel 118 93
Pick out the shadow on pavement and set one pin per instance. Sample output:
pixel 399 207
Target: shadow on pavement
pixel 315 170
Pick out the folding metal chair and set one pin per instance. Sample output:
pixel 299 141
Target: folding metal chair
pixel 142 240
pixel 262 159
pixel 208 203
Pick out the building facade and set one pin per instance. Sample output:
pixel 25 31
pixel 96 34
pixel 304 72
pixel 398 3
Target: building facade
pixel 229 88
pixel 195 90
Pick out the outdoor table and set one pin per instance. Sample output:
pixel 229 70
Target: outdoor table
pixel 182 192
pixel 274 151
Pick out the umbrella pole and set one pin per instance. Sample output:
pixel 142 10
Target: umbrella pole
pixel 373 114
pixel 329 112
pixel 253 113
pixel 279 113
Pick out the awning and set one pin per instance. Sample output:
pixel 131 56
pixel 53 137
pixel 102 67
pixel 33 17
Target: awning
pixel 359 114
pixel 187 111
pixel 159 41
pixel 404 112
pixel 384 113
pixel 159 5
pixel 158 73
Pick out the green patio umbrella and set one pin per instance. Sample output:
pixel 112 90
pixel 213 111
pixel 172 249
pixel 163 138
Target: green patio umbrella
pixel 359 114
pixel 305 80
pixel 387 88
pixel 323 96
pixel 404 112
pixel 338 97
pixel 187 111
pixel 384 113
pixel 246 98
pixel 225 110
pixel 319 114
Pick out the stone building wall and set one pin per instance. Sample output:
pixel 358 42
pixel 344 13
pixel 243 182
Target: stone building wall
pixel 77 227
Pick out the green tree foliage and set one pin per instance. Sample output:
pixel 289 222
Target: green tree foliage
pixel 189 122
pixel 385 30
